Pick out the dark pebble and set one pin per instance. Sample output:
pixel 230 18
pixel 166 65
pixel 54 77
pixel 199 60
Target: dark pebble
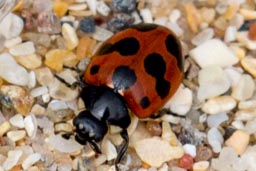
pixel 120 22
pixel 126 6
pixel 87 25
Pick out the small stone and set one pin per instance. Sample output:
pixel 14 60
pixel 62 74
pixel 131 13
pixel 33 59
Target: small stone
pixel 30 62
pixel 12 42
pixel 219 104
pixel 87 25
pixel 193 17
pixel 190 149
pixel 85 47
pixel 248 14
pixel 168 134
pixel 22 49
pixel 92 6
pixel 63 145
pixel 125 6
pixel 20 99
pixel 230 34
pixel 203 36
pixel 38 109
pixel 216 120
pixel 48 22
pixel 215 139
pixel 248 104
pixel 102 8
pixel 44 76
pixel 30 125
pixel 239 141
pixel 12 159
pixel 63 127
pixel 221 24
pixel 120 22
pixel 4 127
pixel 100 160
pixel 250 127
pixel 207 14
pixel 214 79
pixel 101 34
pixel 155 151
pixel 186 161
pixel 11 71
pixel 203 153
pixel 31 160
pixel 244 89
pixel 219 55
pixel 252 31
pixel 245 115
pixel 17 121
pixel 181 102
pixel 146 15
pixel 201 166
pixel 70 36
pixel 239 51
pixel 243 38
pixel 237 21
pixel 39 39
pixel 39 91
pixel 249 64
pixel 16 135
pixel 11 26
pixel 60 8
pixel 233 74
pixel 231 11
pixel 41 6
pixel 174 15
pixel 109 149
pixel 154 128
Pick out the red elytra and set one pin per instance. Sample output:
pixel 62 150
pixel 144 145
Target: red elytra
pixel 143 63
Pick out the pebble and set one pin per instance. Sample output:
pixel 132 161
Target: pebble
pixel 48 22
pixel 108 149
pixel 12 159
pixel 85 47
pixel 64 145
pixel 70 36
pixel 31 160
pixel 243 38
pixel 203 153
pixel 30 125
pixel 11 71
pixel 154 128
pixel 12 42
pixel 216 120
pixel 44 76
pixel 219 104
pixel 220 54
pixel 30 62
pixel 125 6
pixel 193 17
pixel 186 161
pixel 239 141
pixel 215 139
pixel 63 127
pixel 252 32
pixel 233 74
pixel 214 79
pixel 207 14
pixel 190 149
pixel 21 100
pixel 60 8
pixel 249 64
pixel 201 166
pixel 203 36
pixel 17 121
pixel 120 22
pixel 101 34
pixel 146 15
pixel 77 7
pixel 230 34
pixel 11 26
pixel 248 14
pixel 16 135
pixel 4 127
pixel 102 8
pixel 181 101
pixel 87 25
pixel 39 91
pixel 38 109
pixel 92 6
pixel 244 89
pixel 248 104
pixel 245 115
pixel 155 151
pixel 250 127
pixel 22 49
pixel 168 134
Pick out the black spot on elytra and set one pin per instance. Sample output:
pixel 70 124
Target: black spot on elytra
pixel 144 102
pixel 173 47
pixel 155 66
pixel 127 46
pixel 144 27
pixel 94 69
pixel 123 78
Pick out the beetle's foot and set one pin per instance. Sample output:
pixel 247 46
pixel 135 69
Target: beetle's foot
pixel 123 149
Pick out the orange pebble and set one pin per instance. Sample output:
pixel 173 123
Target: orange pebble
pixel 252 31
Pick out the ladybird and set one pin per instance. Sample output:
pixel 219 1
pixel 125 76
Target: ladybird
pixel 138 68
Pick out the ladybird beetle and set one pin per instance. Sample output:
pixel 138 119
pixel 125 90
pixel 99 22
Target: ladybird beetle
pixel 139 68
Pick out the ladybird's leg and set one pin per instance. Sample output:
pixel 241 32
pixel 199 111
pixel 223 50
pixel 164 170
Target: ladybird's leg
pixel 73 85
pixel 72 68
pixel 94 146
pixel 123 149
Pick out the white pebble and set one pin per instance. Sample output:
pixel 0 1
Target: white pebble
pixel 250 127
pixel 215 139
pixel 245 115
pixel 12 42
pixel 30 160
pixel 201 166
pixel 155 151
pixel 11 26
pixel 12 159
pixel 244 89
pixel 175 28
pixel 171 119
pixel 190 149
pixel 22 49
pixel 146 15
pixel 39 91
pixel 233 74
pixel 16 135
pixel 100 160
pixel 174 16
pixel 101 34
pixel 243 38
pixel 57 105
pixel 70 36
pixel 11 71
pixel 237 21
pixel 230 34
pixel 102 8
pixel 213 81
pixel 109 149
pixel 203 36
pixel 181 102
pixel 64 145
pixel 30 125
pixel 17 121
pixel 219 104
pixel 77 7
pixel 92 5
pixel 218 55
pixel 249 104
pixel 31 79
pixel 216 120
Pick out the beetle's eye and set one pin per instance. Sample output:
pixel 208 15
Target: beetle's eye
pixel 80 126
pixel 91 134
